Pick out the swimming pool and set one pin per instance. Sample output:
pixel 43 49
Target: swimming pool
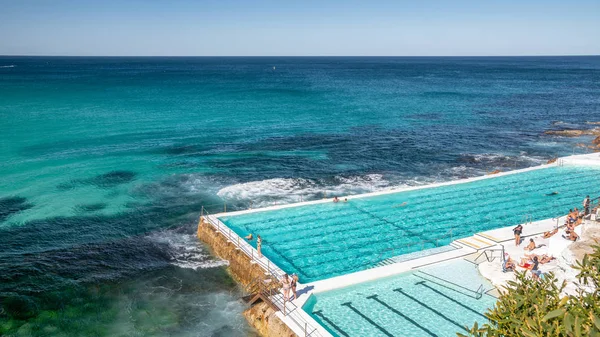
pixel 406 305
pixel 329 239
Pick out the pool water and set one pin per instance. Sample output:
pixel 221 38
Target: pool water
pixel 406 305
pixel 330 239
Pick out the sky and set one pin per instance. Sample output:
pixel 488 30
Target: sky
pixel 299 28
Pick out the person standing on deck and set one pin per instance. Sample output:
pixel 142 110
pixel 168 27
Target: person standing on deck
pixel 258 245
pixel 294 285
pixel 286 284
pixel 518 230
pixel 586 205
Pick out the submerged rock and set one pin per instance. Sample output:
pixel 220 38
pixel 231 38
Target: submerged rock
pixel 12 205
pixel 573 133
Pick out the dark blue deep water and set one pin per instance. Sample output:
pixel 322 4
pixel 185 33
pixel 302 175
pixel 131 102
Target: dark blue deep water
pixel 106 162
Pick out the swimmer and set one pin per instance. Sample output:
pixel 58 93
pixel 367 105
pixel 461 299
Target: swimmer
pixel 400 205
pixel 345 199
pixel 335 199
pixel 249 237
pixel 551 194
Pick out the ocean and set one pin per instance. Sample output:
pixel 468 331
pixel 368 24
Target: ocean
pixel 105 164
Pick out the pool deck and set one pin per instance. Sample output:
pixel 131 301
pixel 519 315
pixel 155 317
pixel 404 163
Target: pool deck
pixel 502 238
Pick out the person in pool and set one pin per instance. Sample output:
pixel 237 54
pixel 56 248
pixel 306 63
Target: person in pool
pixel 551 194
pixel 249 237
pixel 335 199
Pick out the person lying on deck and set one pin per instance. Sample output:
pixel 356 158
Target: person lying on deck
pixel 572 236
pixel 543 259
pixel 548 234
pixel 525 262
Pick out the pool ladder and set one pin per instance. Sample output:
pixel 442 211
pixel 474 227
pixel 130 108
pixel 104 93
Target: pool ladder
pixel 527 219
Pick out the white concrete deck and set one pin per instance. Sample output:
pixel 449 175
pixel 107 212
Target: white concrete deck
pixel 554 246
pixel 465 247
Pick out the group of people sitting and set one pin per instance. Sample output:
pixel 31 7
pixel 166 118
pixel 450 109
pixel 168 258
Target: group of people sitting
pixel 532 261
pixel 529 262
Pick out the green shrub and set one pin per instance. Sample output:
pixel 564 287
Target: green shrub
pixel 534 308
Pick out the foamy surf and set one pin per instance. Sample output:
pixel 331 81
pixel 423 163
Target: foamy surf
pixel 494 160
pixel 268 192
pixel 186 251
pixel 8 66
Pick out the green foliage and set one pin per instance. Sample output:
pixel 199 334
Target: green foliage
pixel 533 308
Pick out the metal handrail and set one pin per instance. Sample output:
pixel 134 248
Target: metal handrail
pixel 478 293
pixel 243 246
pixel 490 258
pixel 272 270
pixel 527 219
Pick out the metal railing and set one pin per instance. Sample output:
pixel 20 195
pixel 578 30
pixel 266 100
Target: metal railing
pixel 489 254
pixel 527 219
pixel 271 270
pixel 244 246
pixel 477 293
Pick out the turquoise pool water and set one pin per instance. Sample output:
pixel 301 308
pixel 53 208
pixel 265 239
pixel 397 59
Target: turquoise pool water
pixel 326 240
pixel 408 305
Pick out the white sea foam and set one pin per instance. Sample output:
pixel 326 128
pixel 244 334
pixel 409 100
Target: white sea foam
pixel 287 190
pixel 502 159
pixel 186 250
pixel 533 159
pixel 8 66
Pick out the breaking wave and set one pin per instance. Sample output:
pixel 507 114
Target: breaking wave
pixel 496 160
pixel 287 190
pixel 185 250
pixel 8 66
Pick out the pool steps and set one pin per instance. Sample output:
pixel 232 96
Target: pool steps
pixel 489 237
pixel 476 242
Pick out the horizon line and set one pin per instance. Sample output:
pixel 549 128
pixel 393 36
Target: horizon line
pixel 298 56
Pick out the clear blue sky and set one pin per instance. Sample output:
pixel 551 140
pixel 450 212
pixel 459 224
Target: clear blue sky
pixel 265 27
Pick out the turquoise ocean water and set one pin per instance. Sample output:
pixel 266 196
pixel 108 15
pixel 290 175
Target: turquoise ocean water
pixel 106 162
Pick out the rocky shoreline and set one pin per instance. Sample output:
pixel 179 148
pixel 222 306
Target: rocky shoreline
pixel 243 271
pixel 575 133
